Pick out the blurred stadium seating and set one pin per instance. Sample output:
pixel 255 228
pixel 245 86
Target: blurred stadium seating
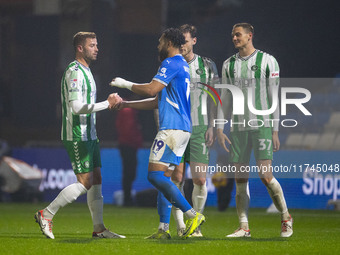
pixel 321 131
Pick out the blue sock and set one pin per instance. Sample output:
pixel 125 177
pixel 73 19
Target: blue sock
pixel 169 190
pixel 164 208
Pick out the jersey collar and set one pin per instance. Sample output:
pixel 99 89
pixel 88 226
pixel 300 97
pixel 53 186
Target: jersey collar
pixel 87 68
pixel 193 59
pixel 247 57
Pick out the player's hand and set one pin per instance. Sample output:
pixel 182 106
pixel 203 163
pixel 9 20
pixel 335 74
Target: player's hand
pixel 209 136
pixel 114 100
pixel 120 106
pixel 222 139
pixel 121 83
pixel 276 141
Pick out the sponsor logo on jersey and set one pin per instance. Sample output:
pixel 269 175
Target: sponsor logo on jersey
pixel 275 74
pixel 199 71
pixel 87 164
pixel 254 68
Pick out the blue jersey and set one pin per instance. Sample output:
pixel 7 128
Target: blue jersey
pixel 174 99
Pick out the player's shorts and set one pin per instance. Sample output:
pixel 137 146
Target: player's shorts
pixel 169 146
pixel 243 142
pixel 196 150
pixel 84 155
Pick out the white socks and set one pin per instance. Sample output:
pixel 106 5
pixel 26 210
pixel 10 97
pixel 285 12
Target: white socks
pixel 66 196
pixel 242 203
pixel 176 212
pixel 276 193
pixel 163 226
pixel 199 197
pixel 190 213
pixel 95 204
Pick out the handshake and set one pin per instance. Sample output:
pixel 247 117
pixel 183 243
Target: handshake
pixel 115 101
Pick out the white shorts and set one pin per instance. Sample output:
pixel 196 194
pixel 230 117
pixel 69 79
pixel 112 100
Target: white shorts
pixel 169 146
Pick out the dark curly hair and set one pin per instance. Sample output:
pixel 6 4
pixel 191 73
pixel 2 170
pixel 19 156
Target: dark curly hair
pixel 175 36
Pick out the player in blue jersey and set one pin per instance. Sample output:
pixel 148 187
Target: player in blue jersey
pixel 204 70
pixel 170 89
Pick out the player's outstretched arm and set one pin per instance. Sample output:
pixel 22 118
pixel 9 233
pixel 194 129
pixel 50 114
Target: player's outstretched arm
pixel 80 108
pixel 222 139
pixel 147 89
pixel 145 104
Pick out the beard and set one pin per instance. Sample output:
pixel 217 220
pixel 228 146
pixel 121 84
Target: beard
pixel 89 57
pixel 163 54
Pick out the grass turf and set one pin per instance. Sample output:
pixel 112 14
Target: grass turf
pixel 315 232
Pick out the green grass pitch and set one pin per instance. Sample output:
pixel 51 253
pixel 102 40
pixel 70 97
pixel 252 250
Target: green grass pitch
pixel 315 232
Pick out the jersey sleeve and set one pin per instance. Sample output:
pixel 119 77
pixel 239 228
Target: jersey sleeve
pixel 74 82
pixel 166 72
pixel 225 72
pixel 213 73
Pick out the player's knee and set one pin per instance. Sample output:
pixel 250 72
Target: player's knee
pixel 266 180
pixel 199 181
pixel 177 177
pixel 168 173
pixel 87 185
pixel 152 177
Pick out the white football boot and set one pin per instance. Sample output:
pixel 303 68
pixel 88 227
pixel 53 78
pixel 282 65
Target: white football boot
pixel 240 232
pixel 45 224
pixel 287 227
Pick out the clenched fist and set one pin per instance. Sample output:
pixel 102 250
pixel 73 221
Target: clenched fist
pixel 121 83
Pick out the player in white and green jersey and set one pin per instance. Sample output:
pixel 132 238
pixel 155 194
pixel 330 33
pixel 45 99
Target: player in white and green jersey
pixel 79 107
pixel 203 111
pixel 256 72
pixel 78 85
pixel 260 73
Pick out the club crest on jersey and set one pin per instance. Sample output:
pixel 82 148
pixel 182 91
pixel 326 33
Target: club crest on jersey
pixel 199 71
pixel 254 68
